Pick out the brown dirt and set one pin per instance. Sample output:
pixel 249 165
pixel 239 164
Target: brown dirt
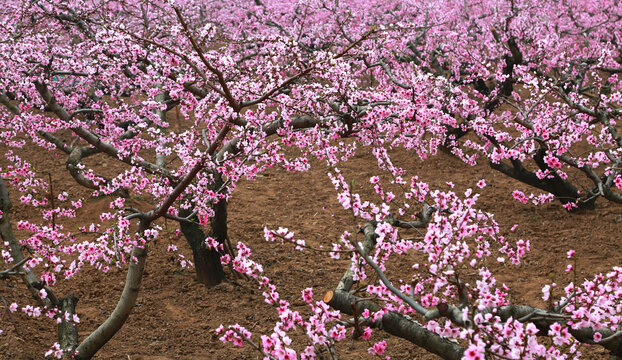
pixel 175 317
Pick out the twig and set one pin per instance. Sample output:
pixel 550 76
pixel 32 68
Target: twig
pixel 420 309
pixel 13 269
pixel 8 311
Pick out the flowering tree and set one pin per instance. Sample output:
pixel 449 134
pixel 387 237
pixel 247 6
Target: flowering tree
pixel 514 82
pixel 539 88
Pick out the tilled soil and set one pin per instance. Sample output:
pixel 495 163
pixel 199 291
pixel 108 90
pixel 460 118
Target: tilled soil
pixel 175 317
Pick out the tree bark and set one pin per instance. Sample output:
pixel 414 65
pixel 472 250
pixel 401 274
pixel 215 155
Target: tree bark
pixel 563 190
pixel 126 303
pixel 391 322
pixel 346 282
pixel 207 263
pixel 398 325
pixel 33 283
pixel 67 331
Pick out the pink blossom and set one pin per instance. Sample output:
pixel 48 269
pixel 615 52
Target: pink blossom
pixel 546 291
pixel 473 353
pixel 378 348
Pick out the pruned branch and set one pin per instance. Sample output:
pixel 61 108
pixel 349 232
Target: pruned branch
pixel 398 325
pixel 346 282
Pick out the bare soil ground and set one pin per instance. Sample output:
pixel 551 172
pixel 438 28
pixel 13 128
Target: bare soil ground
pixel 175 316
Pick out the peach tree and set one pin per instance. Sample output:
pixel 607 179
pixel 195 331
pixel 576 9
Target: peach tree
pixel 530 86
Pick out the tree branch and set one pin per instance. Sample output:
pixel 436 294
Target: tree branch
pixel 398 325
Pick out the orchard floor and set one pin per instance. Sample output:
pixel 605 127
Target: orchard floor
pixel 175 317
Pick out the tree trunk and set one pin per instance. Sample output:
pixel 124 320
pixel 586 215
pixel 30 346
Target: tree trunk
pixel 115 321
pixel 207 260
pixel 67 331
